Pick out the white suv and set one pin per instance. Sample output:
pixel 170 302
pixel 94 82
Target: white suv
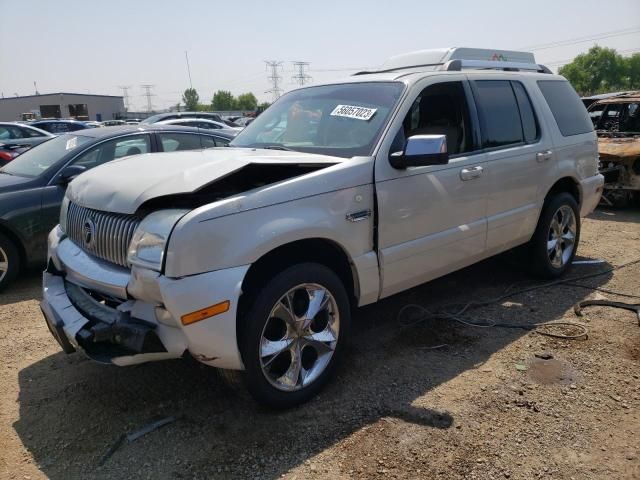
pixel 337 196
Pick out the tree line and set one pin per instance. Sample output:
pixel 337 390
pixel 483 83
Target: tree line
pixel 602 70
pixel 223 100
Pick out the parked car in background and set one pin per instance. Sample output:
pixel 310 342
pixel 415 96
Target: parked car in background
pixel 616 120
pixel 32 186
pixel 337 196
pixel 16 138
pixel 60 126
pixel 22 134
pixel 113 123
pixel 204 123
pixel 93 124
pixel 243 121
pixel 10 151
pixel 173 115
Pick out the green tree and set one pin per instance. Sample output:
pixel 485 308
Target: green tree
pixel 190 99
pixel 223 100
pixel 633 72
pixel 600 70
pixel 246 101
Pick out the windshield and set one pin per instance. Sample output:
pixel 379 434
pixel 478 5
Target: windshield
pixel 38 159
pixel 342 120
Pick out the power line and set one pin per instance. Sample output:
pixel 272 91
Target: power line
pixel 342 69
pixel 148 94
pixel 125 96
pixel 186 55
pixel 573 41
pixel 300 75
pixel 274 66
pixel 569 60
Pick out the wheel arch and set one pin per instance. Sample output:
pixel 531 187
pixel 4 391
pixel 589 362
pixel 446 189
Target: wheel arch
pixel 566 184
pixel 17 241
pixel 316 250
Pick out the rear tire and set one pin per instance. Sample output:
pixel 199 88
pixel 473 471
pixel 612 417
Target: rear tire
pixel 294 333
pixel 9 262
pixel 555 241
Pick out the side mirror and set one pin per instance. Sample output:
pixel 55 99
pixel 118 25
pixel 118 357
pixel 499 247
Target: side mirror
pixel 421 150
pixel 69 173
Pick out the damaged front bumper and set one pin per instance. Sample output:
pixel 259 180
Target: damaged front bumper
pixel 124 317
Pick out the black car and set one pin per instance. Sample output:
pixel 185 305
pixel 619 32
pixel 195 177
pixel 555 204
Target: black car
pixel 59 126
pixel 33 185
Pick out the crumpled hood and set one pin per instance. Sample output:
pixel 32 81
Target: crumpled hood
pixel 123 185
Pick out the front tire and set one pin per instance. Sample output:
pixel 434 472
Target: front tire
pixel 555 241
pixel 9 262
pixel 294 333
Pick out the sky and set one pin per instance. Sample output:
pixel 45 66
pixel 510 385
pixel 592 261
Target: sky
pixel 95 47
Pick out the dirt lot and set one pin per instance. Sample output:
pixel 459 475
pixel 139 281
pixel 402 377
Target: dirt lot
pixel 478 405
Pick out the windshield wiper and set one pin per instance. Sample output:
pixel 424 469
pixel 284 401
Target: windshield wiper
pixel 273 146
pixel 7 173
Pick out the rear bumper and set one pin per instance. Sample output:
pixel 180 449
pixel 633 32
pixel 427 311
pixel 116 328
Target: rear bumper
pixel 591 191
pixel 140 319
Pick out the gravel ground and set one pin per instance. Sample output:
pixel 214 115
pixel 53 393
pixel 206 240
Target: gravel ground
pixel 436 400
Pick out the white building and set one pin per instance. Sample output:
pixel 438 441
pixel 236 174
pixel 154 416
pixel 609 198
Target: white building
pixel 62 105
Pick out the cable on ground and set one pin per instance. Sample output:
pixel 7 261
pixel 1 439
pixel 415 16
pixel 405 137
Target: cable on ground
pixel 582 331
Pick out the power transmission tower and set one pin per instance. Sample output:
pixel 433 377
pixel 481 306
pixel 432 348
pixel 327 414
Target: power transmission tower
pixel 274 66
pixel 125 96
pixel 148 94
pixel 300 75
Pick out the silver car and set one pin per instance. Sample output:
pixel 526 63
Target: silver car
pixel 338 195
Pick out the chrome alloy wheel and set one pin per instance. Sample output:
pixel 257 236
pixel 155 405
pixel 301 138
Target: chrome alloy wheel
pixel 562 236
pixel 4 264
pixel 299 337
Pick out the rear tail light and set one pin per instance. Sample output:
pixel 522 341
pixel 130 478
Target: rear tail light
pixel 6 156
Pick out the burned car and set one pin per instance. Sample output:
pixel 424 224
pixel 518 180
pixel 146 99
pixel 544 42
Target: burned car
pixel 617 123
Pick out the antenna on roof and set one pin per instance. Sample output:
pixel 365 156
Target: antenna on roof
pixel 36 87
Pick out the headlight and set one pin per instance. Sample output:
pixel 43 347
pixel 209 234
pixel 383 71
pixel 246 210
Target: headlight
pixel 63 214
pixel 150 239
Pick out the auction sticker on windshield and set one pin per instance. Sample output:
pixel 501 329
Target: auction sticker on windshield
pixel 72 143
pixel 351 111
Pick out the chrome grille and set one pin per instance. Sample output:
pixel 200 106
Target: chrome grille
pixel 102 234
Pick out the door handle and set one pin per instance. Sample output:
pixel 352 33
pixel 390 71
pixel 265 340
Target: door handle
pixel 543 156
pixel 470 173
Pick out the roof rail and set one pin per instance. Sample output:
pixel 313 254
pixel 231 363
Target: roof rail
pixel 457 65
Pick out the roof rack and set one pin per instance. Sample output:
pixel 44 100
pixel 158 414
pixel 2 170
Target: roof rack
pixel 455 59
pixel 457 65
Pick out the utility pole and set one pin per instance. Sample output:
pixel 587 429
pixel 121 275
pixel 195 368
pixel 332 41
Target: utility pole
pixel 300 75
pixel 125 96
pixel 273 66
pixel 36 87
pixel 148 94
pixel 186 55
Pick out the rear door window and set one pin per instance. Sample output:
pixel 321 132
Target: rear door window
pixel 530 127
pixel 222 142
pixel 173 142
pixel 499 113
pixel 567 108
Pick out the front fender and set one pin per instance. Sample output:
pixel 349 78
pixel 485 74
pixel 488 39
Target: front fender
pixel 198 246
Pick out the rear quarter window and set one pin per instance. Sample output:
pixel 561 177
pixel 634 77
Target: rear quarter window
pixel 567 108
